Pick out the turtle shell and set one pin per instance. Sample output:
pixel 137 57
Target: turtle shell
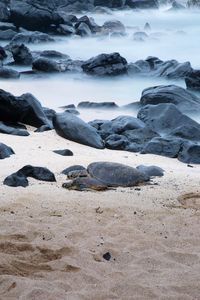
pixel 115 174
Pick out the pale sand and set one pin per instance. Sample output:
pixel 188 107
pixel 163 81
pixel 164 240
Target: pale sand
pixel 52 240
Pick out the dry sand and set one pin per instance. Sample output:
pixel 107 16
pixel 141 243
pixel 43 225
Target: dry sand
pixel 52 240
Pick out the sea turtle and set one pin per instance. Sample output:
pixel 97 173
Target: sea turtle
pixel 85 184
pixel 115 174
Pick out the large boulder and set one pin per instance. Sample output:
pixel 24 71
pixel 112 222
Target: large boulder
pixel 25 109
pixel 164 146
pixel 184 100
pixel 167 119
pixel 106 65
pixel 119 125
pixel 30 15
pixel 73 128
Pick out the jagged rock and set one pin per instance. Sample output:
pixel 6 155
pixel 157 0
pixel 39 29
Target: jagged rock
pixel 21 54
pixel 106 65
pixel 184 100
pixel 138 138
pixel 119 125
pixel 25 109
pixel 116 142
pixel 193 80
pixel 169 147
pixel 97 105
pixel 167 119
pixel 83 30
pixel 3 54
pixel 64 29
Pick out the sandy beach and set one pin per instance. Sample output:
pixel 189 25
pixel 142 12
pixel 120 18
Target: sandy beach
pixel 53 240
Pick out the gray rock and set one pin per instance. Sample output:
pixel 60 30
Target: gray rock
pixel 184 100
pixel 5 151
pixel 106 65
pixel 167 119
pixel 73 128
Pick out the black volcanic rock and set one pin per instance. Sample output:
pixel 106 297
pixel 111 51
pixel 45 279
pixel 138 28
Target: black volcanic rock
pixel 73 128
pixel 5 151
pixel 97 105
pixel 193 80
pixel 64 152
pixel 184 100
pixel 14 129
pixel 8 73
pixel 167 119
pixel 190 153
pixel 164 146
pixel 25 109
pixel 4 12
pixel 21 54
pixel 142 4
pixel 29 37
pixel 106 65
pixel 20 177
pixel 109 3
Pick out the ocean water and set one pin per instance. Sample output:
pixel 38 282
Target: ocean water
pixel 173 35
